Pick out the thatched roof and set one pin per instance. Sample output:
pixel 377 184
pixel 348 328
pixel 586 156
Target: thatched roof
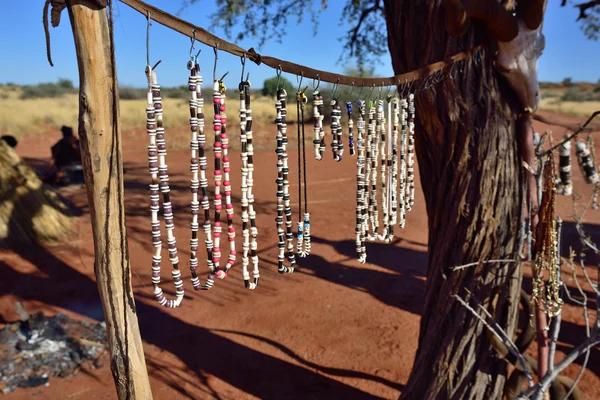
pixel 29 212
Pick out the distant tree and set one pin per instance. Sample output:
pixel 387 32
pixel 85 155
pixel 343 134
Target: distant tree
pixel 270 86
pixel 567 82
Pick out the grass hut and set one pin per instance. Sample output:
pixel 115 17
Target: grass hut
pixel 29 212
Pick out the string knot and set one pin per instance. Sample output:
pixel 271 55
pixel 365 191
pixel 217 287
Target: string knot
pixel 254 56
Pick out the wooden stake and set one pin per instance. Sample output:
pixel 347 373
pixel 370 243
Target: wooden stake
pixel 103 169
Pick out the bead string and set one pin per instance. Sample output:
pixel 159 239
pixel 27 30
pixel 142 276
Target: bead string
pixel 392 167
pixel 198 167
pixel 410 189
pixel 248 213
pixel 350 128
pixel 371 168
pixel 319 141
pixel 383 167
pixel 565 183
pixel 303 235
pixel 361 186
pixel 221 152
pixel 403 144
pixel 283 196
pixel 157 152
pixel 336 129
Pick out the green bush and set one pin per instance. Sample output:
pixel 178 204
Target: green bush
pixel 45 90
pixel 131 93
pixel 270 86
pixel 575 93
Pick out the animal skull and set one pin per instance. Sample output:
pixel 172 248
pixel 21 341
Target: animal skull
pixel 517 61
pixel 520 40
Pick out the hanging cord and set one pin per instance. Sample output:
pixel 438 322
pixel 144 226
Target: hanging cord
pixel 303 235
pixel 57 7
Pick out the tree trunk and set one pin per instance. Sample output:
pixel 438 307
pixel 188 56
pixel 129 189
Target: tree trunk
pixel 103 169
pixel 469 163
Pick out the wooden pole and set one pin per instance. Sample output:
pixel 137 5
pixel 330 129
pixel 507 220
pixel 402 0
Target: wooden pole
pixel 103 169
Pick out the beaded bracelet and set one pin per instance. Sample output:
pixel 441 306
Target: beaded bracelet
pixel 248 223
pixel 198 169
pixel 361 186
pixel 283 196
pixel 319 141
pixel 157 152
pixel 403 144
pixel 410 189
pixel 350 128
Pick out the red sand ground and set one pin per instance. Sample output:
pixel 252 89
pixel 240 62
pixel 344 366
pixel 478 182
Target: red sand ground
pixel 333 329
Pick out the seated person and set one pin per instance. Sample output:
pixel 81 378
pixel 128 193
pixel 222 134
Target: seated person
pixel 10 140
pixel 66 159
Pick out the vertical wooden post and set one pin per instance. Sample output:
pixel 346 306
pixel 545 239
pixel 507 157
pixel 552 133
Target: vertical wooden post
pixel 103 168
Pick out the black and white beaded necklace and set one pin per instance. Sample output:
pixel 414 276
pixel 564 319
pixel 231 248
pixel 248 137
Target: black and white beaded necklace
pixel 157 151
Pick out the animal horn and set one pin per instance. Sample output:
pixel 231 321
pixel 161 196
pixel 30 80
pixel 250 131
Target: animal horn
pixel 532 12
pixel 501 24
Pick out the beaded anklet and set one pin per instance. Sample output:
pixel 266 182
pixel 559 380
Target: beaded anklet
pixel 565 184
pixel 336 129
pixel 157 152
pixel 383 140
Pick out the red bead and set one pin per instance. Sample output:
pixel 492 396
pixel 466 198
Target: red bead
pixel 225 169
pixel 229 206
pixel 226 159
pixel 228 193
pixel 232 239
pixel 217 224
pixel 231 229
pixel 217 172
pixel 217 155
pixel 225 145
pixel 217 100
pixel 226 183
pixel 222 108
pixel 218 196
pixel 232 252
pixel 218 207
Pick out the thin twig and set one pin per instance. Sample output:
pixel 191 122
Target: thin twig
pixel 480 262
pixel 507 342
pixel 577 132
pixel 554 331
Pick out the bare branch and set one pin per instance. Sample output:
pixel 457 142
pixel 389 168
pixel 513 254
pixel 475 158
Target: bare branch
pixel 584 7
pixel 481 262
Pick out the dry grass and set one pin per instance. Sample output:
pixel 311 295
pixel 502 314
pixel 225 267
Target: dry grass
pixel 27 117
pixel 23 117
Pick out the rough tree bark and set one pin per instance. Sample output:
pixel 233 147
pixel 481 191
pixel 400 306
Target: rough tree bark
pixel 471 176
pixel 103 169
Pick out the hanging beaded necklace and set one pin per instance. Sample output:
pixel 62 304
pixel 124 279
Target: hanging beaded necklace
pixel 371 165
pixel 336 129
pixel 392 168
pixel 198 169
pixel 361 186
pixel 248 222
pixel 303 235
pixel 383 140
pixel 410 189
pixel 403 144
pixel 157 152
pixel 283 196
pixel 319 141
pixel 221 145
pixel 350 128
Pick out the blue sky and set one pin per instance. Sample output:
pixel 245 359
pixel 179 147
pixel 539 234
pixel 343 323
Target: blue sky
pixel 23 57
